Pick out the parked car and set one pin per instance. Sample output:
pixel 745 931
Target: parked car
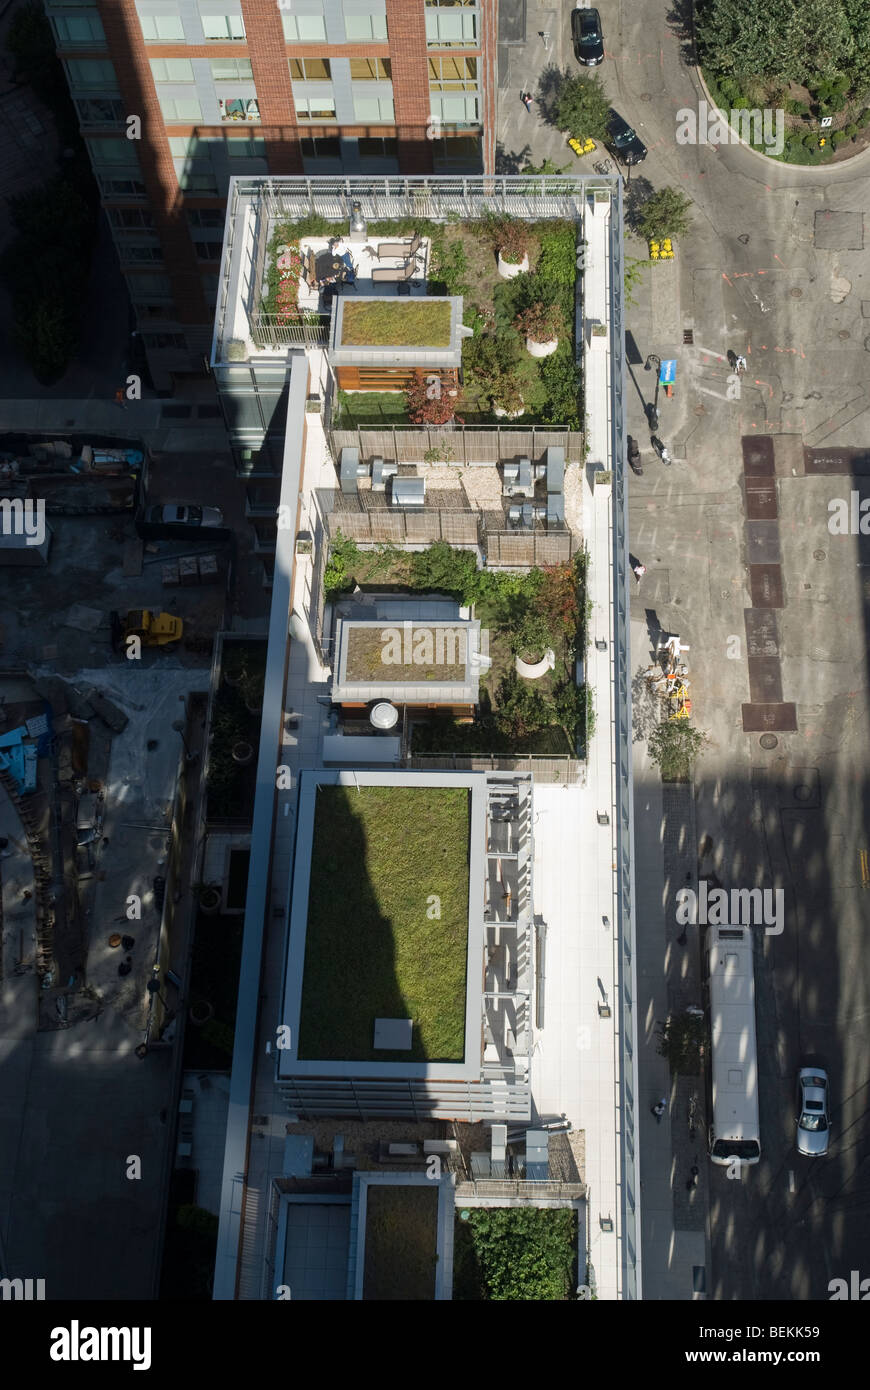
pixel 587 36
pixel 184 514
pixel 814 1112
pixel 625 143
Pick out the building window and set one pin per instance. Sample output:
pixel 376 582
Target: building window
pixel 451 24
pixel 154 286
pixel 366 28
pixel 232 69
pixel 130 219
pixel 253 148
pixel 240 109
pixel 91 72
pixel 310 70
pixel 201 181
pixel 180 109
pixel 373 109
pixel 323 147
pixel 171 69
pixel 304 28
pixel 457 152
pixel 455 110
pixel 121 188
pixel 152 254
pixel 164 340
pixel 370 69
pixel 311 108
pixel 218 28
pixel 452 74
pixel 112 151
pixel 378 147
pixel 100 110
pixel 206 217
pixel 162 28
pixel 208 250
pixel 85 28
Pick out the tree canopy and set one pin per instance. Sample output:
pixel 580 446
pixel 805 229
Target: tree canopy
pixel 582 106
pixel 778 42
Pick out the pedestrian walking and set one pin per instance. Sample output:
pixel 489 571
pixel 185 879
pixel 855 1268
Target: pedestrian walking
pixel 639 571
pixel 120 398
pixel 693 1177
pixel 741 364
pixel 526 99
pixel 659 1109
pixel 732 359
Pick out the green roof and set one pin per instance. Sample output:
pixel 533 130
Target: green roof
pixel 387 931
pixel 396 323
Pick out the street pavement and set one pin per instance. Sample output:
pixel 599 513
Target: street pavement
pixel 773 268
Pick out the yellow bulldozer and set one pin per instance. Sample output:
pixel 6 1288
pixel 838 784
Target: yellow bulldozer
pixel 152 629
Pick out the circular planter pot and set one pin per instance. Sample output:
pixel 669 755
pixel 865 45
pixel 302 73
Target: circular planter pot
pixel 200 1013
pixel 209 901
pixel 509 270
pixel 115 939
pixel 233 678
pixel 242 753
pixel 541 349
pixel 255 708
pixel 533 671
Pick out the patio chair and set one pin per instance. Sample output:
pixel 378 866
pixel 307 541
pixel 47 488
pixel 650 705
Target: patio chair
pixel 309 272
pixel 399 249
pixel 394 274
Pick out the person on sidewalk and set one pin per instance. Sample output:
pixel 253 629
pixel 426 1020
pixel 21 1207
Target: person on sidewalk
pixel 639 570
pixel 659 1109
pixel 120 398
pixel 693 1177
pixel 741 364
pixel 732 359
pixel 526 99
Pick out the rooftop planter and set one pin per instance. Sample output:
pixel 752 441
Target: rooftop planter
pixel 542 325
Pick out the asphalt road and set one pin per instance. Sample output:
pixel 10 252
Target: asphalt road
pixel 773 268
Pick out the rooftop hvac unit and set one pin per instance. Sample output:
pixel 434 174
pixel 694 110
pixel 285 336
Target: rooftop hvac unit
pixel 350 471
pixel 526 515
pixel 408 492
pixel 511 471
pixel 555 506
pixel 380 472
pixel 555 469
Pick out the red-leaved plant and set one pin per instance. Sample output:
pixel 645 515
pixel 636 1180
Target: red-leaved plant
pixel 424 409
pixel 541 322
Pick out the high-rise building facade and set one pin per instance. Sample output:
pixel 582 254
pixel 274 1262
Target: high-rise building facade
pixel 175 96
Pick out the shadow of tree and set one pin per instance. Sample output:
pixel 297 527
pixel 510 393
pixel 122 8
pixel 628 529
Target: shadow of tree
pixel 511 161
pixel 549 85
pixel 681 22
pixel 634 197
pixel 644 707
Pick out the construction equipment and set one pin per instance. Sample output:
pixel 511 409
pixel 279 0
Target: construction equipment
pixel 152 628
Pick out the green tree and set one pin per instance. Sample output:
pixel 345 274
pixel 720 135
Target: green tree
pixel 673 747
pixel 524 1252
pixel 779 41
pixel 665 214
pixel 633 275
pixel 582 106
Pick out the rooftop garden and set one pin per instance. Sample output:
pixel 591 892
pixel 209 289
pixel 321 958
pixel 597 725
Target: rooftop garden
pixel 525 614
pixel 401 1242
pixel 378 654
pixel 371 949
pixel 500 375
pixel 507 1253
pixel 396 323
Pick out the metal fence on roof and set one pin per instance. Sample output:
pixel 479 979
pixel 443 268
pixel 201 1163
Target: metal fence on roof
pixel 460 446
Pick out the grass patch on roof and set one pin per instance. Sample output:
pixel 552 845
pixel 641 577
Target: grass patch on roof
pixel 371 951
pixel 377 655
pixel 401 1242
pixel 396 323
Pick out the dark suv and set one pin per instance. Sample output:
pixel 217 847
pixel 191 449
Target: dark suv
pixel 587 36
pixel 625 143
